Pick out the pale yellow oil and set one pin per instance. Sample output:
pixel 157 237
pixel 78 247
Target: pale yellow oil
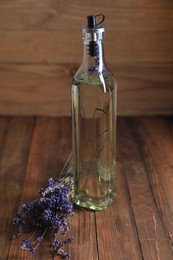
pixel 93 119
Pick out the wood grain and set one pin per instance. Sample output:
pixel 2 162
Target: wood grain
pixel 44 161
pixel 52 15
pixel 116 230
pixel 83 230
pixel 53 46
pixel 15 136
pixel 151 231
pixel 138 224
pixel 38 89
pixel 157 143
pixel 50 146
pixel 40 36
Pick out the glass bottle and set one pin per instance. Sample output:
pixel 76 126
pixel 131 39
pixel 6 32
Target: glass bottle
pixel 94 95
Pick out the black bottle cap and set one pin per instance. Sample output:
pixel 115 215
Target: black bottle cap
pixel 94 29
pixel 91 21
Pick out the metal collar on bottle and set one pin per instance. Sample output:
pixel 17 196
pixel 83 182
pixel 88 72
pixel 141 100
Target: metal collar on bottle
pixel 92 34
pixel 93 31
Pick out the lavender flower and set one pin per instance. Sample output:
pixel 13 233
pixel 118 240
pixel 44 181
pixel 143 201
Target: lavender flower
pixel 50 212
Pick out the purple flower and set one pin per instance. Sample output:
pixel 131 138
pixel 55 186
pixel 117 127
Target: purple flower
pixel 68 241
pixel 40 239
pixel 92 68
pixel 26 244
pixel 51 211
pixel 57 244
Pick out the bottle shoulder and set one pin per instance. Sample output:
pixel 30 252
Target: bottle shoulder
pixel 92 75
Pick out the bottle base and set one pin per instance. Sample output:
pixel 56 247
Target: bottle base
pixel 92 203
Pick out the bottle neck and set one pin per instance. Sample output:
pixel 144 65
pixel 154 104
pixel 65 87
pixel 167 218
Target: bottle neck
pixel 93 56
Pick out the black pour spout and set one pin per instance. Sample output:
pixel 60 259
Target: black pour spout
pixel 93 48
pixel 92 20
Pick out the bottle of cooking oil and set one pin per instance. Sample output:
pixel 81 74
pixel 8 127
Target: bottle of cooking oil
pixel 94 95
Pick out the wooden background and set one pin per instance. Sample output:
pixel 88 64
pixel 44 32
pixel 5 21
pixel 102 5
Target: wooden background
pixel 41 48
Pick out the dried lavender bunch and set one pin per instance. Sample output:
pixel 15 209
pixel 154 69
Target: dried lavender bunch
pixel 50 212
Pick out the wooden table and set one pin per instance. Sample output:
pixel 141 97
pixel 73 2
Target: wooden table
pixel 139 223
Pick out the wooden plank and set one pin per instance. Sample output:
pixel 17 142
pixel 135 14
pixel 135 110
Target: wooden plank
pixel 138 34
pixel 144 89
pixel 140 218
pixel 35 90
pixel 15 136
pixel 51 145
pixel 151 232
pixel 156 146
pixel 116 230
pixel 84 232
pixel 45 158
pixel 38 89
pixel 51 15
pixel 53 46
